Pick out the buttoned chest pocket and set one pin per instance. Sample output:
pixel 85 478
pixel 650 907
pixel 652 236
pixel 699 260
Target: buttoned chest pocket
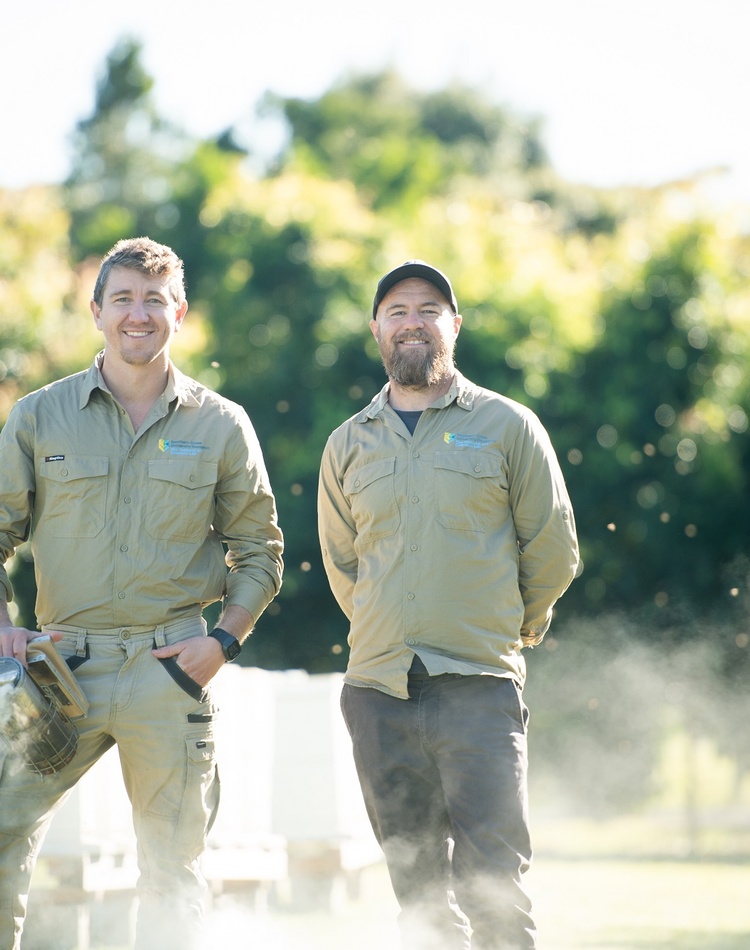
pixel 72 498
pixel 371 493
pixel 180 504
pixel 471 490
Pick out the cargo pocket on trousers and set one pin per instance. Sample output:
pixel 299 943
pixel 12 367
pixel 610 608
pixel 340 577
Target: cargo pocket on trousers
pixel 201 799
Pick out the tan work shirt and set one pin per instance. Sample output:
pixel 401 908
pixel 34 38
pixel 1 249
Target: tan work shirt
pixel 130 528
pixel 453 543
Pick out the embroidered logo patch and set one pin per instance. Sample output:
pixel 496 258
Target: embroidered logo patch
pixel 464 441
pixel 181 447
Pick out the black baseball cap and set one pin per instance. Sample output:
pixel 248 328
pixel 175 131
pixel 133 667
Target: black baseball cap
pixel 414 269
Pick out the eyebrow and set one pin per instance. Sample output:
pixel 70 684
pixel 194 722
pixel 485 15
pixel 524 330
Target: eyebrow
pixel 129 290
pixel 424 303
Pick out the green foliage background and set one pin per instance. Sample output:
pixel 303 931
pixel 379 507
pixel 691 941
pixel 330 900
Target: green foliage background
pixel 621 317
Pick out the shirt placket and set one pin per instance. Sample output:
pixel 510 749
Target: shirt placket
pixel 414 535
pixel 129 519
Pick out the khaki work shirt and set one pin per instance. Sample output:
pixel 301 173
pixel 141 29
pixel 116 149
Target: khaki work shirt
pixel 130 528
pixel 453 543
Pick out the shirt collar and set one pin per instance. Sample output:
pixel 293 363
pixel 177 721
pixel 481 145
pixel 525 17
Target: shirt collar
pixel 462 392
pixel 178 387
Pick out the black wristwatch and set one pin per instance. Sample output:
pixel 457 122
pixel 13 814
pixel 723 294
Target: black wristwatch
pixel 230 645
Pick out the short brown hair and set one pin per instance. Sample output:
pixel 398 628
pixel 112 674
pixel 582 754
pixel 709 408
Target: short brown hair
pixel 148 257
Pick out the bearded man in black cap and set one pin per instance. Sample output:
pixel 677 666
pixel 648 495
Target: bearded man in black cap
pixel 447 536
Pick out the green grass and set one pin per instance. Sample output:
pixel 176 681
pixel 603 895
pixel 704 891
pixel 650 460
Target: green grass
pixel 581 902
pixel 606 904
pixel 598 904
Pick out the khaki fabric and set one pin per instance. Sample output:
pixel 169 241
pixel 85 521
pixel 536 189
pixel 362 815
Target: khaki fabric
pixel 166 744
pixel 130 528
pixel 453 543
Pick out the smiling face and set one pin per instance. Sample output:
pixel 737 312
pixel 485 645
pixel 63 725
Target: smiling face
pixel 416 330
pixel 138 316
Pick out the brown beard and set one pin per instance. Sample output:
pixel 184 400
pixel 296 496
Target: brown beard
pixel 417 370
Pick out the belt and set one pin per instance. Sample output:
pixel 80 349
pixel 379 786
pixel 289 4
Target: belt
pixel 131 630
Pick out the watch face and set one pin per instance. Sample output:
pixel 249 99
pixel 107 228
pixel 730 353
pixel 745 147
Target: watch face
pixel 230 645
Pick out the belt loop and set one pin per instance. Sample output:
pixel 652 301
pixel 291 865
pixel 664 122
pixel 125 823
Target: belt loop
pixel 81 644
pixel 160 638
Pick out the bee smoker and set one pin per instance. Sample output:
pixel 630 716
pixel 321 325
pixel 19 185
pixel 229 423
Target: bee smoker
pixel 37 706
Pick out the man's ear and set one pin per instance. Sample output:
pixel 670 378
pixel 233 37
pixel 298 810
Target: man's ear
pixel 96 311
pixel 374 328
pixel 180 315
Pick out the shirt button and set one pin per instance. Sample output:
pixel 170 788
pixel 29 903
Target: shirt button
pixel 64 471
pixel 121 595
pixel 192 478
pixel 414 500
pixel 123 547
pixel 414 547
pixel 415 455
pixel 411 642
pixel 410 596
pixel 126 500
pixel 477 468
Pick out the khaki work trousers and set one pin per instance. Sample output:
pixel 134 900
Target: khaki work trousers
pixel 165 739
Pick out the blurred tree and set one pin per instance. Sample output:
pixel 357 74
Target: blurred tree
pixel 45 327
pixel 399 146
pixel 42 331
pixel 124 158
pixel 655 422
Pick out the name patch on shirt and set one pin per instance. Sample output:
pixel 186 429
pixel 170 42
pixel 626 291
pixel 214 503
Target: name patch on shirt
pixel 54 458
pixel 462 440
pixel 181 447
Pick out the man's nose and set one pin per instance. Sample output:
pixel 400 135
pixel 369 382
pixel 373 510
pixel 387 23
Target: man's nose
pixel 138 311
pixel 414 318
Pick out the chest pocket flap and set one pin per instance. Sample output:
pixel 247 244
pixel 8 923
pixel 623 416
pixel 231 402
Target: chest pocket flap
pixel 189 474
pixel 74 467
pixel 361 478
pixel 475 464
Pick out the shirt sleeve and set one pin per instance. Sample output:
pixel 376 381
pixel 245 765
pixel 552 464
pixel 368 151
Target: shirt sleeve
pixel 17 489
pixel 246 520
pixel 337 532
pixel 545 527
